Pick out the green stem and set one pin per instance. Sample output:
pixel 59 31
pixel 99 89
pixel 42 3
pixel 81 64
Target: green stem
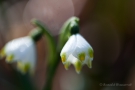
pixel 53 59
pixel 50 39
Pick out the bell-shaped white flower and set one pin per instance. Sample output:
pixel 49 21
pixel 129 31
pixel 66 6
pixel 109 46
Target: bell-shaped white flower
pixel 77 51
pixel 22 51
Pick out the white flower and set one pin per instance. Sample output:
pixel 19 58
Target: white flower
pixel 22 51
pixel 77 51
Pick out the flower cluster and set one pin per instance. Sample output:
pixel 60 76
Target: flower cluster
pixel 77 51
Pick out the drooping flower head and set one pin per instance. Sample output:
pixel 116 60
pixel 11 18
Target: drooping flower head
pixel 77 51
pixel 22 51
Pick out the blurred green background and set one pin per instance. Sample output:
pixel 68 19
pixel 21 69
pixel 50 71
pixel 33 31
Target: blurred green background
pixel 108 25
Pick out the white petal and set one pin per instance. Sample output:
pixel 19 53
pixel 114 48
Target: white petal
pixel 72 59
pixel 69 47
pixel 82 46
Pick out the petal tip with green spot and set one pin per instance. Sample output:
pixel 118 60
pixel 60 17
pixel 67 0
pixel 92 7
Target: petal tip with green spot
pixel 89 63
pixel 9 58
pixel 78 66
pixel 66 65
pixel 23 67
pixel 63 57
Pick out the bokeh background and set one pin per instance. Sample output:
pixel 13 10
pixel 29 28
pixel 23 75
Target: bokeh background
pixel 108 25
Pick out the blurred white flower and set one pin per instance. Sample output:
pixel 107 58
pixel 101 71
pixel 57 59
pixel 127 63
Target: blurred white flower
pixel 77 51
pixel 22 51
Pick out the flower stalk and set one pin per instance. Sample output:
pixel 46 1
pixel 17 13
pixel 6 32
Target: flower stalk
pixel 53 59
pixel 51 42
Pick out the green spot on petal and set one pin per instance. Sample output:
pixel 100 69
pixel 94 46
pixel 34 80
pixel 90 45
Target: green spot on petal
pixel 63 57
pixel 90 53
pixel 66 65
pixel 23 67
pixel 9 58
pixel 78 66
pixel 81 56
pixel 26 67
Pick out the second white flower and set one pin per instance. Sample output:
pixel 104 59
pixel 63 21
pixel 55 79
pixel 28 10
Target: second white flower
pixel 77 51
